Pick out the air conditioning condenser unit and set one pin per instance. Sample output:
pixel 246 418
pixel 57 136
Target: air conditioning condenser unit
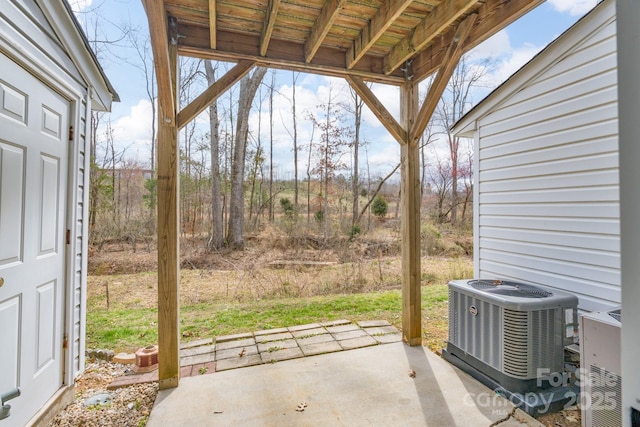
pixel 513 333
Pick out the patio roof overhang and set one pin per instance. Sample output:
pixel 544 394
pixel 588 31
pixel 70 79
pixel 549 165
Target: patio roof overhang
pixel 395 42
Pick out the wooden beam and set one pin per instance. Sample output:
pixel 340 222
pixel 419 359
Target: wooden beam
pixel 385 16
pixel 493 16
pixel 269 23
pixel 160 46
pixel 445 14
pixel 410 221
pixel 329 13
pixel 439 84
pixel 168 232
pixel 214 91
pixel 213 24
pixel 378 109
pixel 286 55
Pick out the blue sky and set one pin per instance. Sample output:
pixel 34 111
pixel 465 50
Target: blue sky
pixel 510 49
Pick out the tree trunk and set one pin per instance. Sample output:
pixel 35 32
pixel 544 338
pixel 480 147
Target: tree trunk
pixel 217 239
pixel 295 144
pixel 248 87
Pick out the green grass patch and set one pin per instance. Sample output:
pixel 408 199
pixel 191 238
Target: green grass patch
pixel 127 329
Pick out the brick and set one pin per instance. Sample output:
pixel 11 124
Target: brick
pixel 270 331
pixel 335 322
pixel 308 332
pixel 196 343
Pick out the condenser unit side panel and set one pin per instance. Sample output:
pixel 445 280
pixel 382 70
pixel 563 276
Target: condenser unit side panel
pixel 475 327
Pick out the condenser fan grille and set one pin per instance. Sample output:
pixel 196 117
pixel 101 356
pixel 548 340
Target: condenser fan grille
pixel 506 288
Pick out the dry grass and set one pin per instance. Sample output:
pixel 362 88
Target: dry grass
pixel 202 286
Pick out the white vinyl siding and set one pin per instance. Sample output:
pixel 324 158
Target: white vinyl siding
pixel 547 174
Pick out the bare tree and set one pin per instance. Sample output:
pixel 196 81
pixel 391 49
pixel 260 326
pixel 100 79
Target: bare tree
pixel 217 238
pixel 248 87
pixel 455 101
pixel 356 109
pixel 330 150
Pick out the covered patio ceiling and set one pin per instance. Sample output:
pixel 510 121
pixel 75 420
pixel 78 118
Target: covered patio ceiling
pixel 395 42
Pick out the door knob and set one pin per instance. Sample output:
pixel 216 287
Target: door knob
pixel 4 408
pixel 1 281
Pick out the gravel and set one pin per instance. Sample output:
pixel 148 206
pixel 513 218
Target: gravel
pixel 129 406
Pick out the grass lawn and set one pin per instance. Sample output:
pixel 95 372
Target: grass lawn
pixel 126 329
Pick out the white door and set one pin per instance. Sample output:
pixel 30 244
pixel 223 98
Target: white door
pixel 34 130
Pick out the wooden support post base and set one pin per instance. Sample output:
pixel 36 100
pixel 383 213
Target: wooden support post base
pixel 168 383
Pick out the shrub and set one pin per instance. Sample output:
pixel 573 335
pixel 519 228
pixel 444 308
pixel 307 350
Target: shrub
pixel 287 206
pixel 379 207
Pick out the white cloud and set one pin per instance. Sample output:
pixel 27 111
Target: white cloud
pixel 131 130
pixel 573 7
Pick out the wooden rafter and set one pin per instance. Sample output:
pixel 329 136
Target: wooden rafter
pixel 455 51
pixel 492 16
pixel 328 15
pixel 431 26
pixel 160 46
pixel 213 92
pixel 269 23
pixel 213 24
pixel 378 109
pixel 286 55
pixel 386 15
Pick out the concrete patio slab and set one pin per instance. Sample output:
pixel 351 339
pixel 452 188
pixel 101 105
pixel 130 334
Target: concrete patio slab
pixel 363 387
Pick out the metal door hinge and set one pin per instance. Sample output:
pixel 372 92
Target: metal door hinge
pixel 70 133
pixel 68 237
pixel 65 342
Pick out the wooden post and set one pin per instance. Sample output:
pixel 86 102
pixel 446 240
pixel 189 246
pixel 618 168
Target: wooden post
pixel 410 218
pixel 168 236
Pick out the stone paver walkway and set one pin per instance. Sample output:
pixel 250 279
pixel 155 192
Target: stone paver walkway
pixel 273 345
